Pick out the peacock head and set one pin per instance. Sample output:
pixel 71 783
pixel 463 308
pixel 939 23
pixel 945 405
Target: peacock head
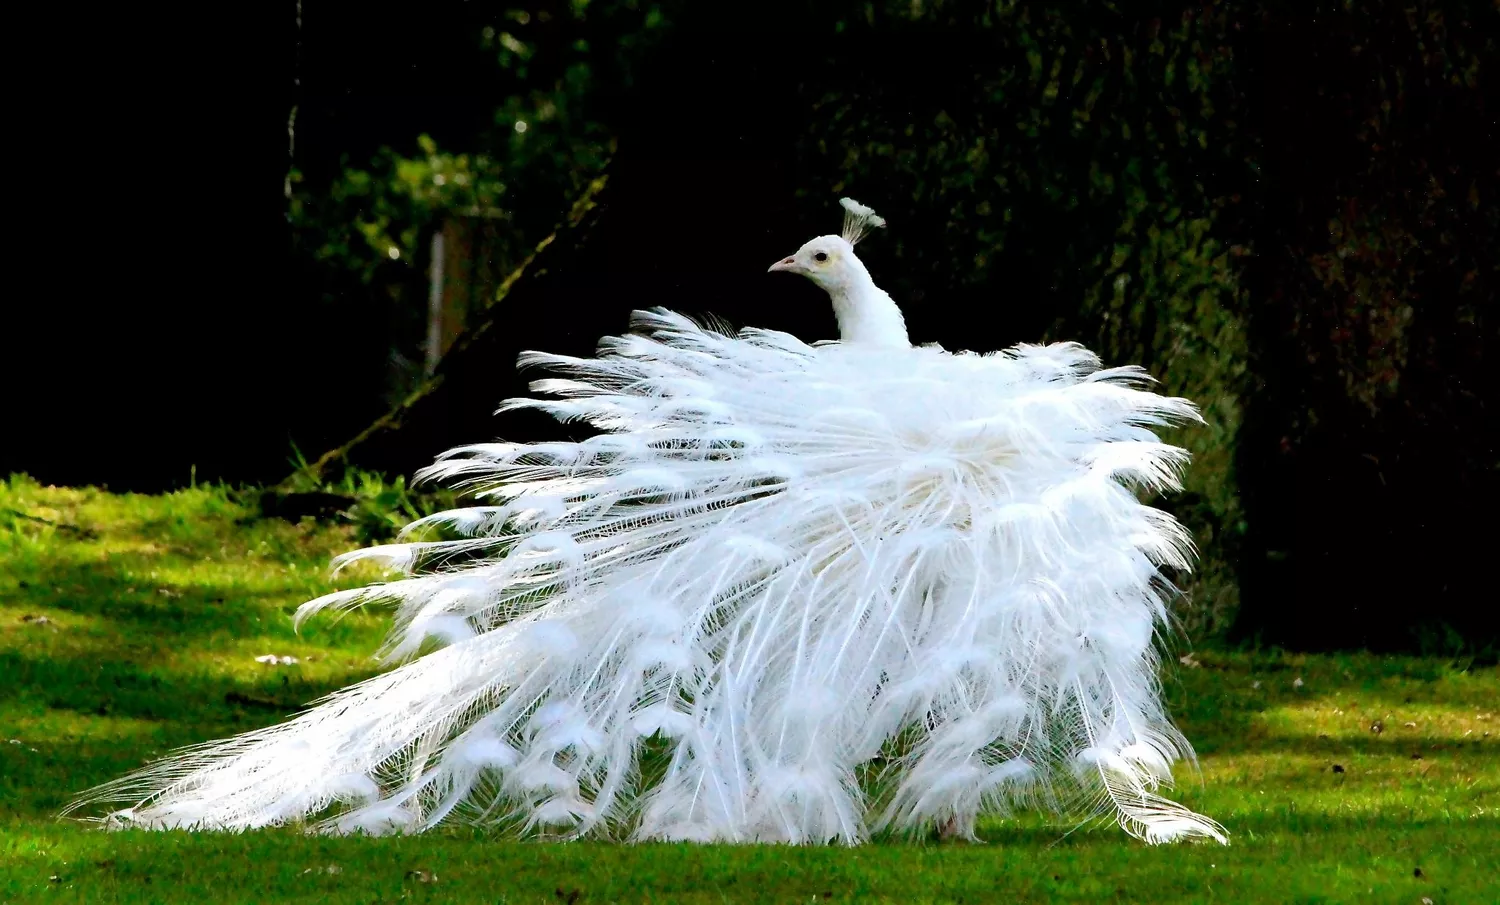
pixel 829 261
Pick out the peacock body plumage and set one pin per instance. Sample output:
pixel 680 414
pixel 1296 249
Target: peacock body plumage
pixel 776 566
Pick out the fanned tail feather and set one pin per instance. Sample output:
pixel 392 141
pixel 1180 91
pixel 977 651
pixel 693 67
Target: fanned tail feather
pixel 777 562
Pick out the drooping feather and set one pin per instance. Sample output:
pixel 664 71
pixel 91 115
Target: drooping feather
pixel 776 563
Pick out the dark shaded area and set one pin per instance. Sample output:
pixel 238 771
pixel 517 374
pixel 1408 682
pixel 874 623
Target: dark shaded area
pixel 695 209
pixel 173 328
pixel 1368 463
pixel 188 335
pixel 704 194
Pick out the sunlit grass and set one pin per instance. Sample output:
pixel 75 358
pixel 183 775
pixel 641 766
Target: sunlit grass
pixel 129 626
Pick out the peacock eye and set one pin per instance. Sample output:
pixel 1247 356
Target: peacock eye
pixel 820 256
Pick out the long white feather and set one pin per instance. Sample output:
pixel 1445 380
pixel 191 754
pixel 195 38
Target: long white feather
pixel 780 586
pixel 777 563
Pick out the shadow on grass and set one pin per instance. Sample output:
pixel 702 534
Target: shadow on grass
pixel 87 685
pixel 99 719
pixel 1333 747
pixel 122 592
pixel 1223 710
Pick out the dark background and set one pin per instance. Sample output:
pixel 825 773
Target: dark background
pixel 172 326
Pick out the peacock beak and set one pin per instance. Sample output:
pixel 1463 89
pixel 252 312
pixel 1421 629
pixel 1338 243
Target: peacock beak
pixel 787 264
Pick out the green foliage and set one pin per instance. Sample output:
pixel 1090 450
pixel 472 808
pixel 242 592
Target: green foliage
pixel 381 508
pixel 378 214
pixel 377 507
pixel 129 625
pixel 560 68
pixel 563 64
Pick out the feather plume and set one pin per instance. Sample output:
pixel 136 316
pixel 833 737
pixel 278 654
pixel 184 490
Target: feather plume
pixel 777 587
pixel 858 220
pixel 775 564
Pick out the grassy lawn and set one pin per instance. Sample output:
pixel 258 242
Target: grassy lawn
pixel 129 625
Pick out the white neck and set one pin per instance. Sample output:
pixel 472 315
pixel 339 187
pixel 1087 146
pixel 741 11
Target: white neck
pixel 866 314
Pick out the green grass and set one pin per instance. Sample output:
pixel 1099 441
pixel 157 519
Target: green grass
pixel 129 625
